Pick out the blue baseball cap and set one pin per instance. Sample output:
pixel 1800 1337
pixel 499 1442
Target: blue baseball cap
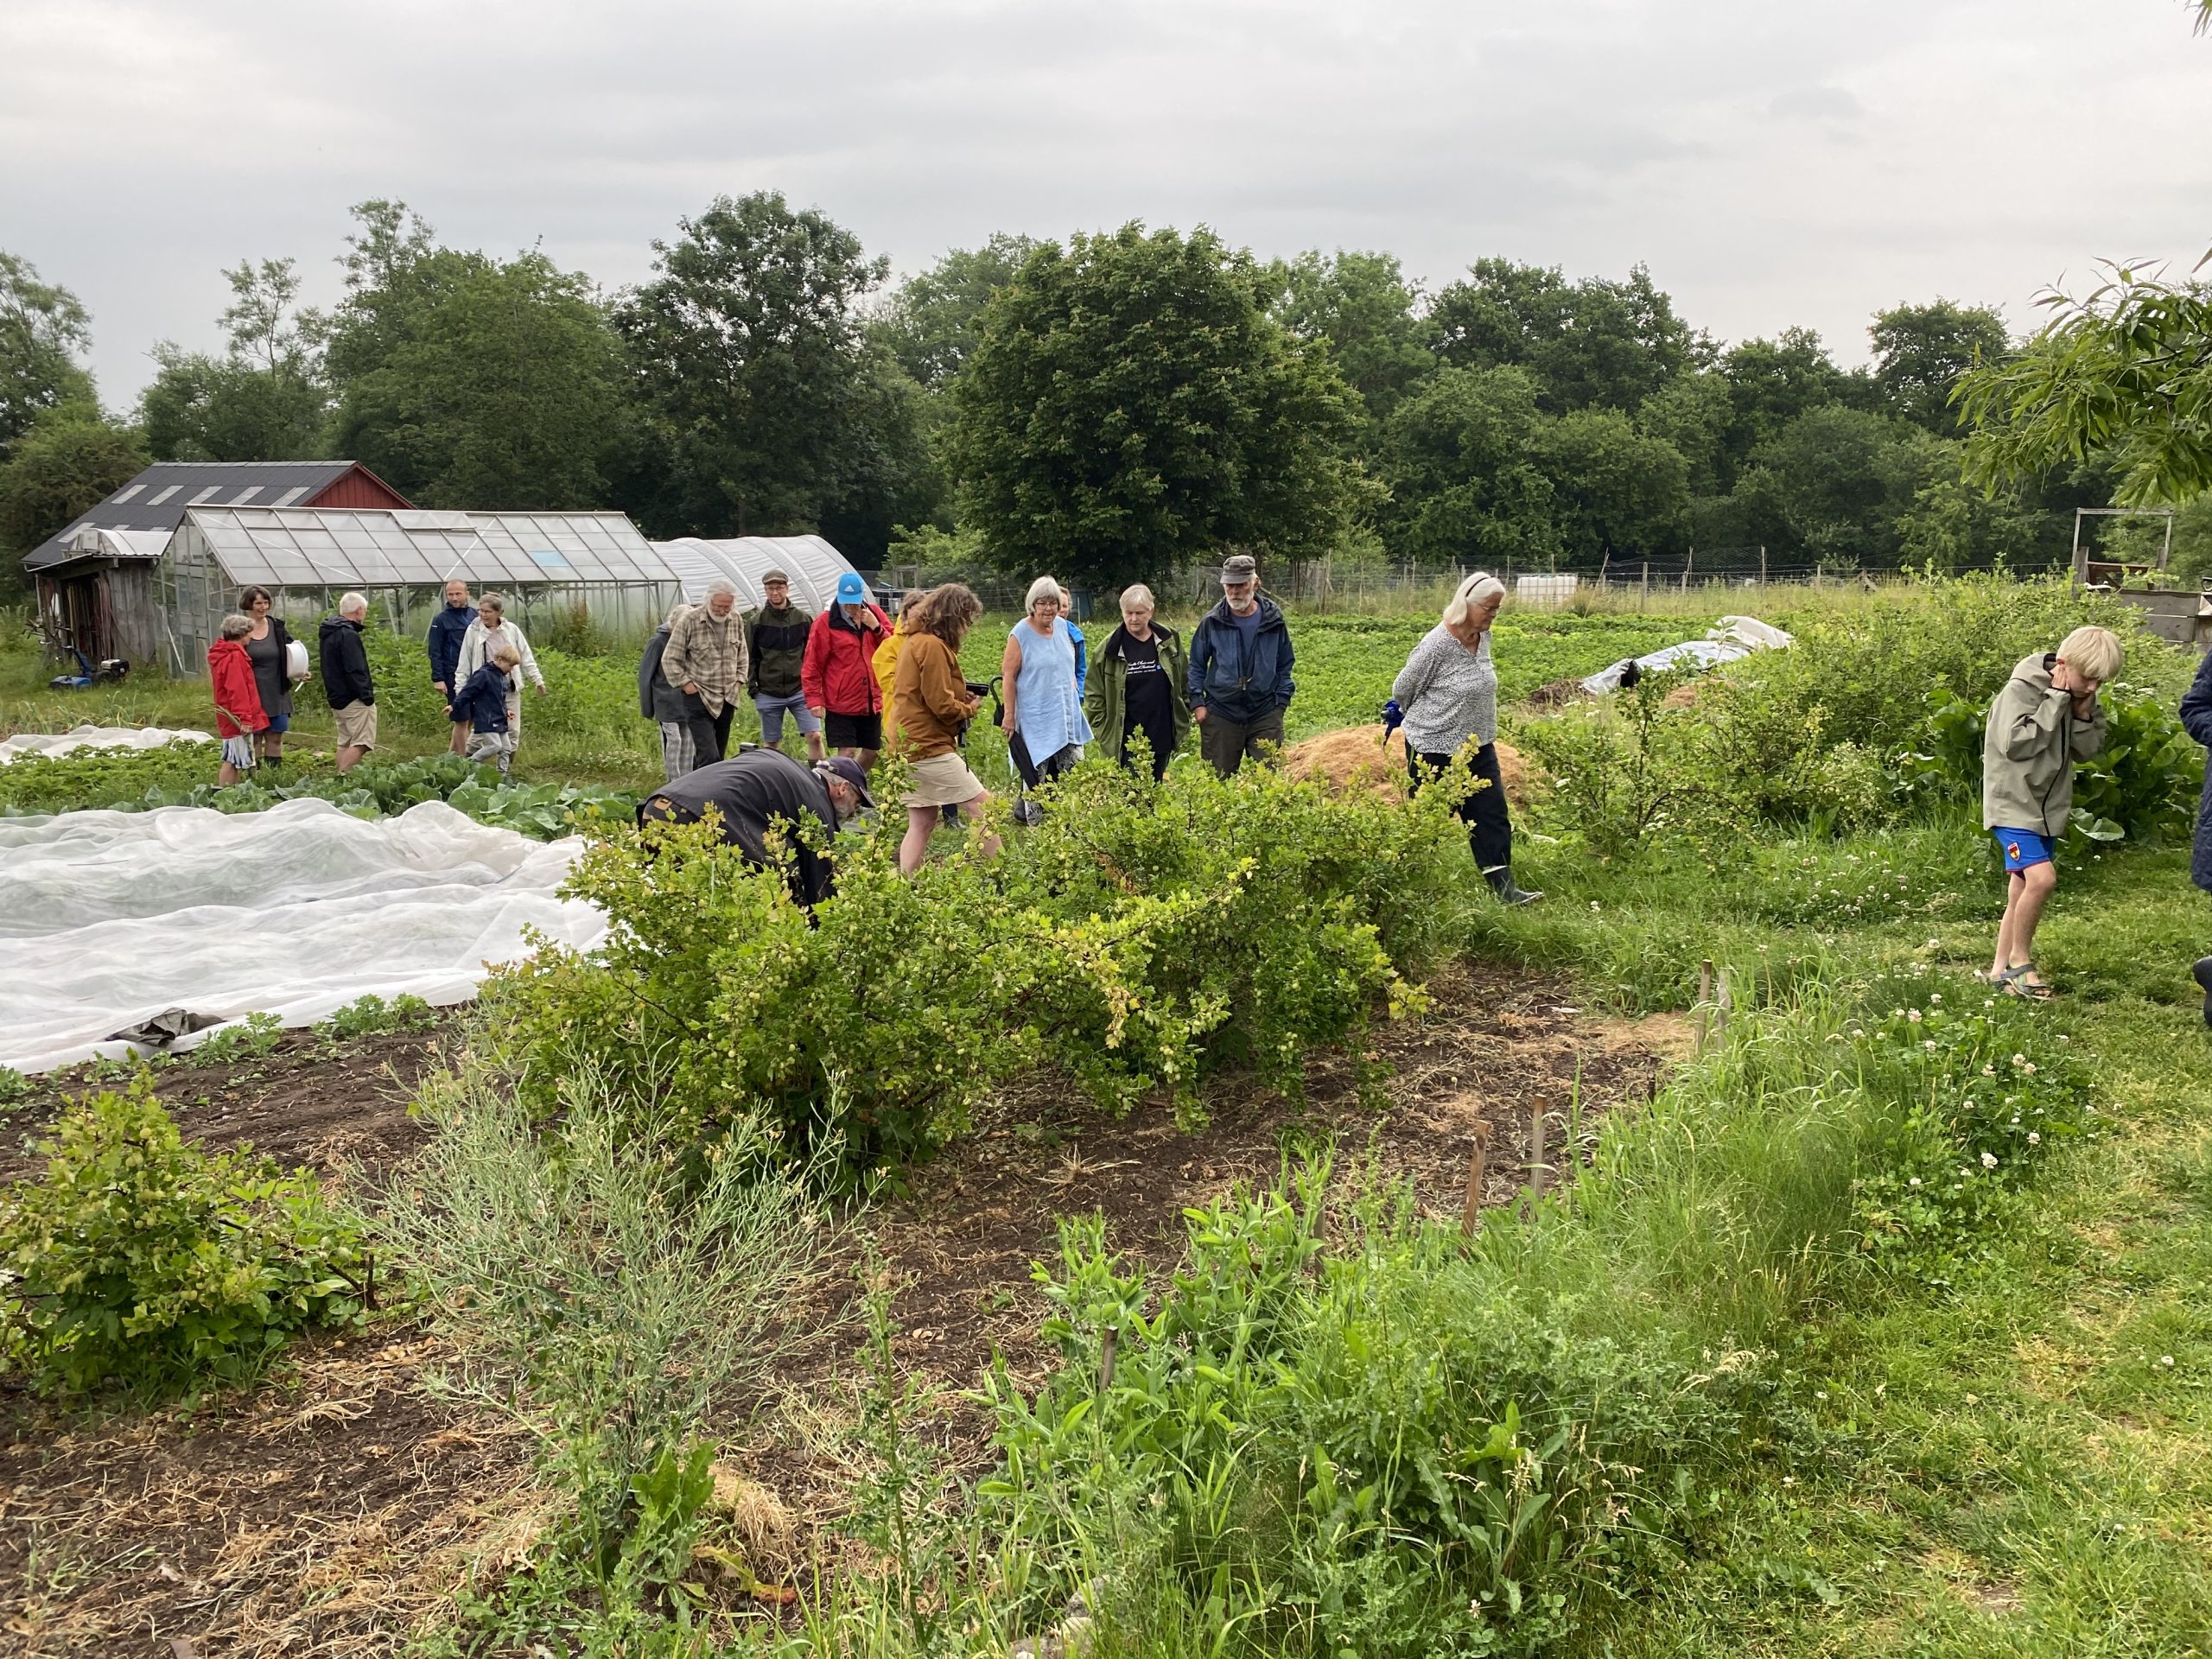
pixel 851 590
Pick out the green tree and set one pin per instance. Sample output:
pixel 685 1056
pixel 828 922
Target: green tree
pixel 1370 316
pixel 1131 407
pixel 1596 343
pixel 72 458
pixel 2122 377
pixel 263 399
pixel 1955 526
pixel 1615 490
pixel 501 387
pixel 758 388
pixel 1694 413
pixel 43 326
pixel 1920 352
pixel 1466 484
pixel 1834 484
pixel 1771 383
pixel 932 321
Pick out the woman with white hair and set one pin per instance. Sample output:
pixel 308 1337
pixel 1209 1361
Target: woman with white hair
pixel 1044 720
pixel 1448 691
pixel 1138 685
pixel 492 627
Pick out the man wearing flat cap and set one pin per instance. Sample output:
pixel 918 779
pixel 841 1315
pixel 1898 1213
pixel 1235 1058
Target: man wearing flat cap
pixel 1240 658
pixel 778 643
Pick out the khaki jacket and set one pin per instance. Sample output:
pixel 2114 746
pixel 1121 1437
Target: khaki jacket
pixel 2028 749
pixel 929 701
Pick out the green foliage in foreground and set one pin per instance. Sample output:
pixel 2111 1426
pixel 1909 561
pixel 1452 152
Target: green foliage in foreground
pixel 1142 937
pixel 142 1261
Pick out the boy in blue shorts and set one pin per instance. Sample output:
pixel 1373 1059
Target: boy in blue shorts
pixel 2045 719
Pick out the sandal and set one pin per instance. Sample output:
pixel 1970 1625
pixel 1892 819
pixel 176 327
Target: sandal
pixel 2022 980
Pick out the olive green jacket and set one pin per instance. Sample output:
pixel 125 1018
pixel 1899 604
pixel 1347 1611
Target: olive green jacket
pixel 2028 752
pixel 1105 702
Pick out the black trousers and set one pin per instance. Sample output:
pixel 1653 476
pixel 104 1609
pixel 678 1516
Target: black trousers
pixel 1490 831
pixel 709 733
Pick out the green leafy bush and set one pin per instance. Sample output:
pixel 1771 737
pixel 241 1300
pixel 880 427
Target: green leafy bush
pixel 141 1259
pixel 15 1087
pixel 248 1038
pixel 1141 937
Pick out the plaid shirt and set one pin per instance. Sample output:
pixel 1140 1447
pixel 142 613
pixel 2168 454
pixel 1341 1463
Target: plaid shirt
pixel 708 652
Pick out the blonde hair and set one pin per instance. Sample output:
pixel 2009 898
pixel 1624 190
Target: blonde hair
pixel 236 626
pixel 1137 593
pixel 2095 652
pixel 1043 588
pixel 493 602
pixel 1470 593
pixel 506 655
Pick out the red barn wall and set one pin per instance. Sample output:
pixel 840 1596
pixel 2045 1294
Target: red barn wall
pixel 357 487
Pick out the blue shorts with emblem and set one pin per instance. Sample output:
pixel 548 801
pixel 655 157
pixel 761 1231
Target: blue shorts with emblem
pixel 2022 847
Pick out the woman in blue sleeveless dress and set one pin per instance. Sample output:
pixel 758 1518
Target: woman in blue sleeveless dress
pixel 1044 723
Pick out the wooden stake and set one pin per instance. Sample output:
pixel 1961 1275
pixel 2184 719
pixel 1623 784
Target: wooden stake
pixel 1539 1172
pixel 1704 1000
pixel 1106 1360
pixel 1472 1209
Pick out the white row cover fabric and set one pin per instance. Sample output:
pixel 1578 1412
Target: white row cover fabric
pixel 810 562
pixel 96 737
pixel 108 918
pixel 1732 637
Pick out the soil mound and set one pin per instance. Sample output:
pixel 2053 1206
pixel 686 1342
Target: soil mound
pixel 1355 757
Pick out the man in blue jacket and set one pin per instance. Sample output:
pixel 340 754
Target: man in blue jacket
pixel 1240 658
pixel 447 629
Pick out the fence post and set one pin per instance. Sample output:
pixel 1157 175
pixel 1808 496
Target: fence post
pixel 1687 563
pixel 1472 1209
pixel 1762 567
pixel 1643 592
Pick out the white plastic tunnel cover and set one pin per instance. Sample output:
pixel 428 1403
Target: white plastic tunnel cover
pixel 109 918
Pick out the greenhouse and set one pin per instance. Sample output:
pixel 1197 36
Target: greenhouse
pixel 566 565
pixel 810 562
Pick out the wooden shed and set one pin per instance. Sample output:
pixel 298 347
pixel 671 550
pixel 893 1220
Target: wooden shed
pixel 95 581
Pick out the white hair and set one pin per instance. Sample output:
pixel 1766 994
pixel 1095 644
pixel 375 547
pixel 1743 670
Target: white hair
pixel 721 585
pixel 352 604
pixel 1477 589
pixel 1043 587
pixel 1137 593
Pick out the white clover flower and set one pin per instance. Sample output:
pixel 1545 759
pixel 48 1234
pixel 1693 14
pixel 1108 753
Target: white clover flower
pixel 1935 997
pixel 1929 1045
pixel 2030 1068
pixel 1988 1071
pixel 1858 1033
pixel 2034 1139
pixel 1989 1160
pixel 2020 1059
pixel 1915 1181
pixel 1914 1015
pixel 2165 1359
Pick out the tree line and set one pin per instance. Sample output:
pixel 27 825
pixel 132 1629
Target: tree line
pixel 1112 407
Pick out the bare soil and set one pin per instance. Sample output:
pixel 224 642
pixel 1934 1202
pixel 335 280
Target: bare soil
pixel 337 1506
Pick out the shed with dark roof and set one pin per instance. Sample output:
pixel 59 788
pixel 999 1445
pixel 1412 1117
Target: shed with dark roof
pixel 94 579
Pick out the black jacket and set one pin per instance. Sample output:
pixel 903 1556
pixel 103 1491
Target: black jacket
pixel 656 699
pixel 754 792
pixel 482 700
pixel 778 649
pixel 344 664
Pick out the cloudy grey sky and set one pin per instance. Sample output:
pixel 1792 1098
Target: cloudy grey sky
pixel 1773 162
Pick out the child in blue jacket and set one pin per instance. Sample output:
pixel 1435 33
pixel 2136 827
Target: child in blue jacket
pixel 482 702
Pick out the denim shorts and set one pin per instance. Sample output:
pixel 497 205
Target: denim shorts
pixel 278 723
pixel 772 710
pixel 2022 847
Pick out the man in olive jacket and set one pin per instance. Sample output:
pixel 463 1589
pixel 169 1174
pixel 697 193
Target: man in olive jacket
pixel 2045 719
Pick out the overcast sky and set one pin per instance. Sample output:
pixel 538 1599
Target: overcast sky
pixel 1772 163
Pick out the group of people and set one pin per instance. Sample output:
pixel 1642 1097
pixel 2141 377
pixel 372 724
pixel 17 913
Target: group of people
pixel 859 684
pixel 254 666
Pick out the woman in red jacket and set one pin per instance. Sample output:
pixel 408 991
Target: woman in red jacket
pixel 239 714
pixel 837 673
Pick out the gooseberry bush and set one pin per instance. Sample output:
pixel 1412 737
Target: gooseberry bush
pixel 1142 937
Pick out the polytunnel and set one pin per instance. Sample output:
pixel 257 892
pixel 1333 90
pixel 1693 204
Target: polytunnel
pixel 810 562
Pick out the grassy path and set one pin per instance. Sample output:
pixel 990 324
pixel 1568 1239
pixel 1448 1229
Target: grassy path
pixel 2018 1461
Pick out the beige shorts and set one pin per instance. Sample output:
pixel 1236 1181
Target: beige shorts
pixel 357 725
pixel 942 780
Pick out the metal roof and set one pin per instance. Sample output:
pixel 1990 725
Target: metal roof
pixel 157 498
pixel 810 562
pixel 371 547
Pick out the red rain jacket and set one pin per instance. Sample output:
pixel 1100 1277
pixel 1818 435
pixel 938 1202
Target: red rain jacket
pixel 838 673
pixel 238 700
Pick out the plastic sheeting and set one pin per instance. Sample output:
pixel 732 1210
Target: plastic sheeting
pixel 1732 637
pixel 108 918
pixel 811 564
pixel 96 737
